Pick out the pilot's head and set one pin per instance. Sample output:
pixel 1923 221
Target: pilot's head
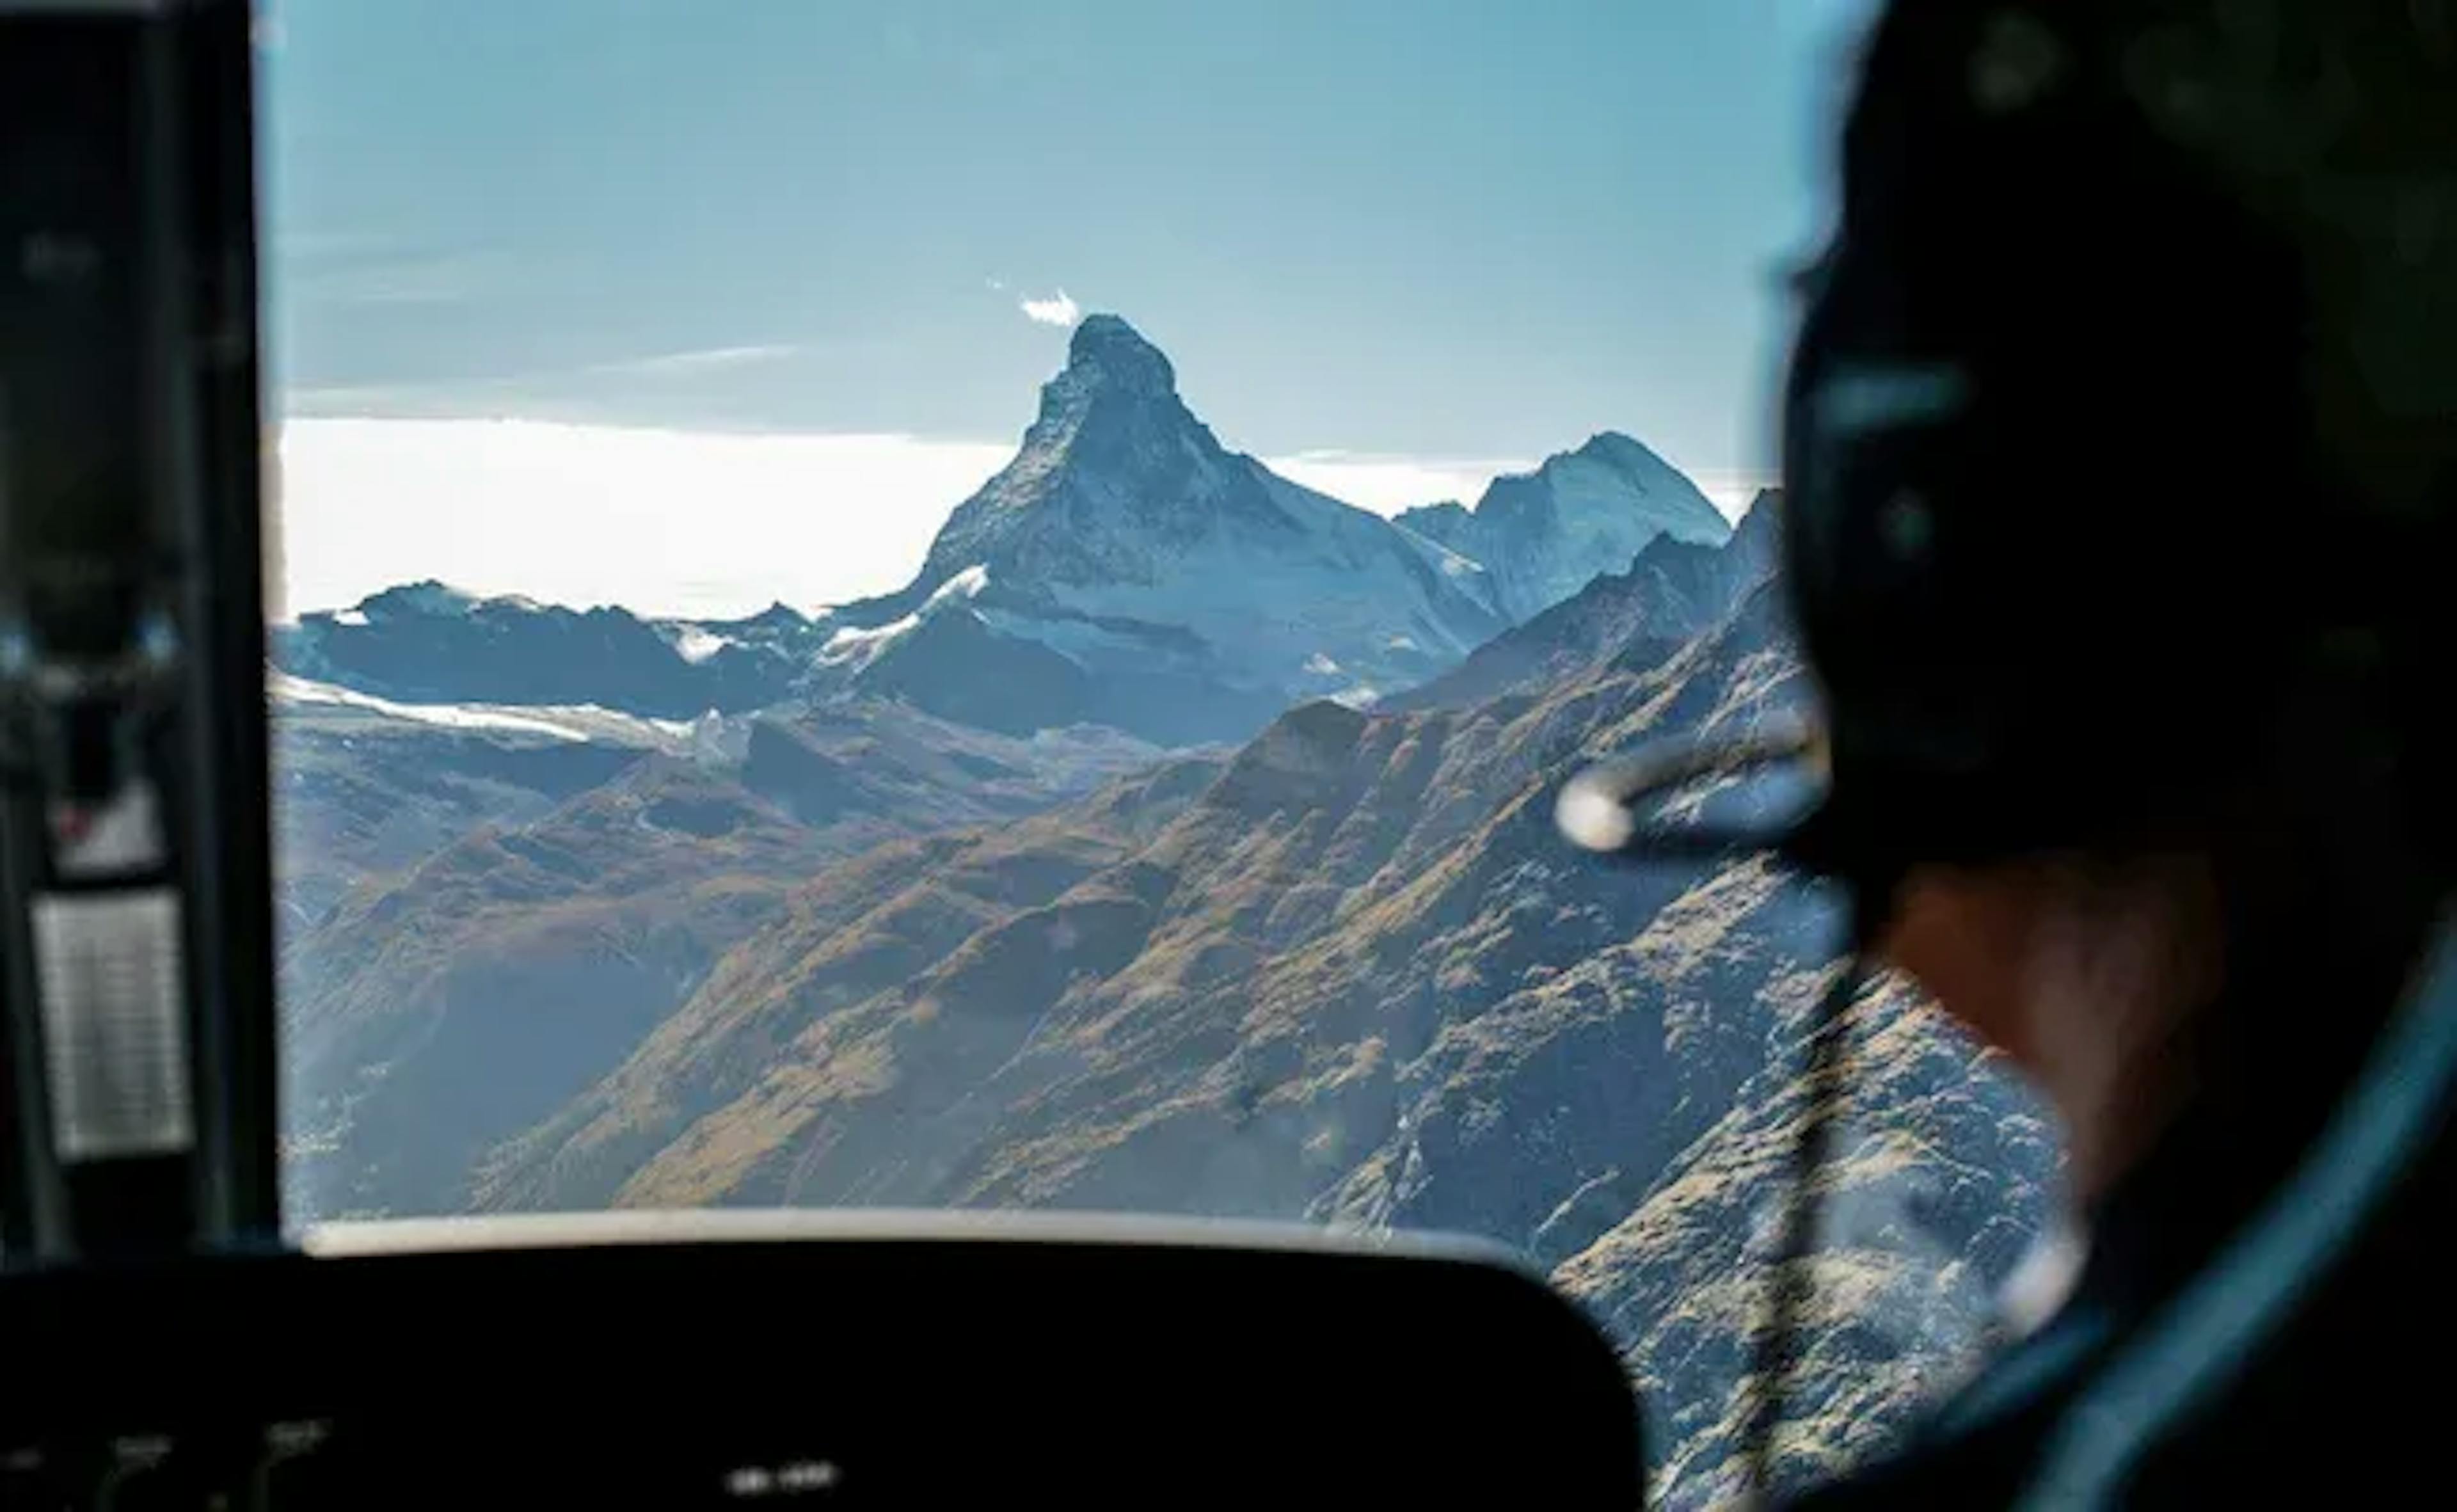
pixel 2118 481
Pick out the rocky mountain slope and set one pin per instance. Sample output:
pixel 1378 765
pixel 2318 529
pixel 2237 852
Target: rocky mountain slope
pixel 1354 975
pixel 486 918
pixel 358 792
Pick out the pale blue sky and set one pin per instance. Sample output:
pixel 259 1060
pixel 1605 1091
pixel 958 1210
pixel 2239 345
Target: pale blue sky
pixel 1415 230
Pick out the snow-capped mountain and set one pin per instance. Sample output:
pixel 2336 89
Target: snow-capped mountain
pixel 1193 591
pixel 1542 536
pixel 1676 590
pixel 1124 569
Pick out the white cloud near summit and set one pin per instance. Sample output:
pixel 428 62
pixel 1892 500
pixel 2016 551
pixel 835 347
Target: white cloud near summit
pixel 1058 310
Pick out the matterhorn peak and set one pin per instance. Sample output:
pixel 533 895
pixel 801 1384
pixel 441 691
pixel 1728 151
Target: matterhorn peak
pixel 1106 350
pixel 1615 450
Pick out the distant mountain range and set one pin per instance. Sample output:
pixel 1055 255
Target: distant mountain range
pixel 1123 569
pixel 427 643
pixel 1177 838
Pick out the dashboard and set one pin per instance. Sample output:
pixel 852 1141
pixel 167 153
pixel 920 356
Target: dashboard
pixel 809 1360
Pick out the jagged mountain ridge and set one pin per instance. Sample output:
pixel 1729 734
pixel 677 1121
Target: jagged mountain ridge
pixel 1330 821
pixel 428 643
pixel 1542 535
pixel 1673 591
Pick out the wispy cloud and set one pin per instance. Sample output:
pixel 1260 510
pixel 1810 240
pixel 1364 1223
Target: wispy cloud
pixel 575 393
pixel 704 360
pixel 1060 310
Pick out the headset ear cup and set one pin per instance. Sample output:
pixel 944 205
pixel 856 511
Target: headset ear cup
pixel 2047 459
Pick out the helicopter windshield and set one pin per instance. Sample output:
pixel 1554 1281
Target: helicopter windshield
pixel 981 607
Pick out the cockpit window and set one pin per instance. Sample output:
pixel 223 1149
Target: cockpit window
pixel 965 605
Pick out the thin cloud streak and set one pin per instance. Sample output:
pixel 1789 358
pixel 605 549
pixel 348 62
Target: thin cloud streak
pixel 705 359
